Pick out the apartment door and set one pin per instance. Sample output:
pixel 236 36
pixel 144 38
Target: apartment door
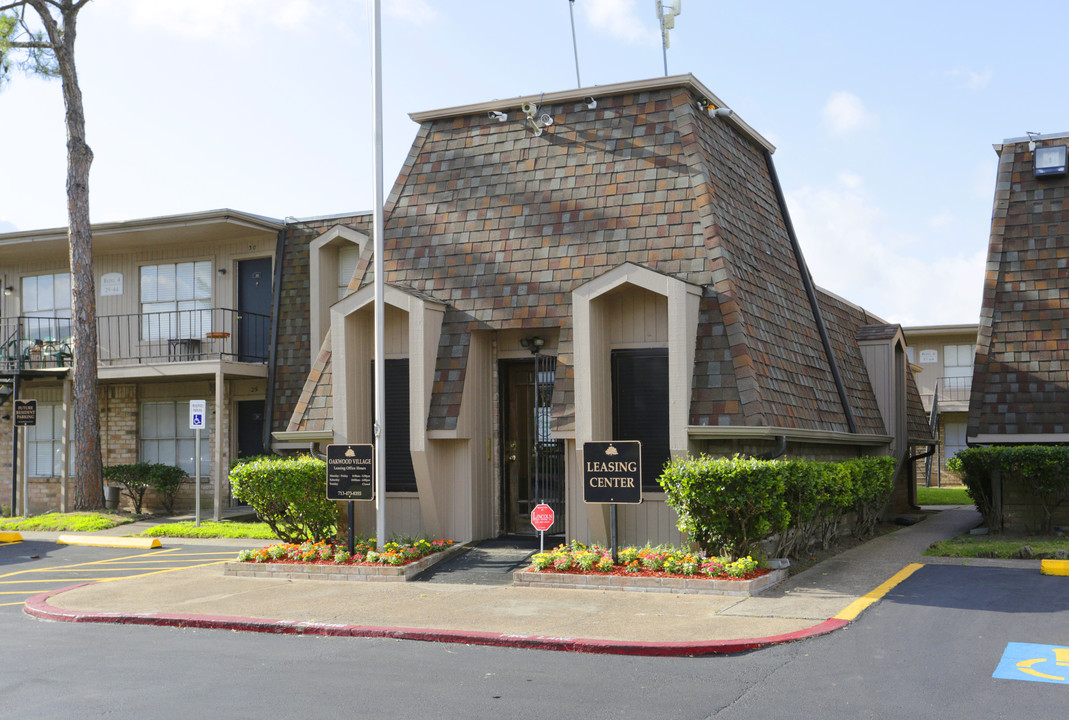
pixel 254 309
pixel 532 467
pixel 250 428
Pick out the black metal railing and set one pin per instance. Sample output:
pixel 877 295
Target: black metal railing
pixel 30 343
pixel 33 343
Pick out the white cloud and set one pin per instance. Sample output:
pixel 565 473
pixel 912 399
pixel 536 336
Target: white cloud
pixel 620 19
pixel 859 251
pixel 219 18
pixel 845 113
pixel 971 79
pixel 415 11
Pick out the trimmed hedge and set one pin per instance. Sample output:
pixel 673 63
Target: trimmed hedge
pixel 289 494
pixel 728 505
pixel 1041 471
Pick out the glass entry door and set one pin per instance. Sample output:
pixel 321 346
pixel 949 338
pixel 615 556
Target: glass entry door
pixel 532 468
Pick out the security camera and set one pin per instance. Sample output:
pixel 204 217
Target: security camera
pixel 721 112
pixel 545 119
pixel 529 108
pixel 591 103
pixel 498 115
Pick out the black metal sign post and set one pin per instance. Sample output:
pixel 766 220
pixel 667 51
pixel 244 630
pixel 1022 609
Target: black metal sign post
pixel 612 474
pixel 351 477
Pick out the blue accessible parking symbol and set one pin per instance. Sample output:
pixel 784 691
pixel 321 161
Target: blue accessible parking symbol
pixel 1037 663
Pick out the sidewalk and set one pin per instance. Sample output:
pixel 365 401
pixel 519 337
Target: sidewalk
pixel 818 600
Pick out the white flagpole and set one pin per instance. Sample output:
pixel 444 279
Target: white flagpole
pixel 380 313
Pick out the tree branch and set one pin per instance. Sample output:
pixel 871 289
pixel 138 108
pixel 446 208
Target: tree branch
pixel 31 45
pixel 12 6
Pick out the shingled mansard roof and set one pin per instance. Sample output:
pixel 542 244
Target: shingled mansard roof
pixel 1021 376
pixel 501 226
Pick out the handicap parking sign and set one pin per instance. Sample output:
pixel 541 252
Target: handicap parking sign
pixel 198 414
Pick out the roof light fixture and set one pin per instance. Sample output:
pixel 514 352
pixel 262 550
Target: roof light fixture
pixel 1050 160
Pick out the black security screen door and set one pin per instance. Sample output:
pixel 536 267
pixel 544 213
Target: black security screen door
pixel 640 407
pixel 532 467
pixel 400 475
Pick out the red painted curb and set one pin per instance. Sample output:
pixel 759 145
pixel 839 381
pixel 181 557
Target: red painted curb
pixel 39 608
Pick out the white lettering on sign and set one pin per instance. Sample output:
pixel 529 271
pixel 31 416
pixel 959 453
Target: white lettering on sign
pixel 611 482
pixel 611 467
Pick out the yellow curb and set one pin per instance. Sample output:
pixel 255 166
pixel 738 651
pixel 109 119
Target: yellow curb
pixel 10 537
pixel 143 543
pixel 851 611
pixel 1054 567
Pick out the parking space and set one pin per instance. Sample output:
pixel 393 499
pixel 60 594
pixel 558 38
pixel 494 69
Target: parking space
pixel 34 566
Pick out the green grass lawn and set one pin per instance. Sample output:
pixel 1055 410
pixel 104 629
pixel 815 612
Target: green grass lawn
pixel 943 496
pixel 997 546
pixel 64 522
pixel 212 529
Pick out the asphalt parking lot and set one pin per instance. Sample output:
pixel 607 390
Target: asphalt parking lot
pixel 35 566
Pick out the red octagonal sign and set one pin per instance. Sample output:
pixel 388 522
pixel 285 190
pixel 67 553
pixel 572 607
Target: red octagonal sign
pixel 542 517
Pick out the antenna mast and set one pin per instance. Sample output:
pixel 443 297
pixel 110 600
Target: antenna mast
pixel 575 48
pixel 667 16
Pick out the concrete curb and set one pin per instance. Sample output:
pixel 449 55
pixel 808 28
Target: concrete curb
pixel 38 607
pixel 140 543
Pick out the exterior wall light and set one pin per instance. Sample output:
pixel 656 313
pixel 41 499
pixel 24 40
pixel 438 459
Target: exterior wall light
pixel 534 344
pixel 1050 160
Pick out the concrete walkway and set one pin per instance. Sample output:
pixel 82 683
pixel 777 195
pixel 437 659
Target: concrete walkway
pixel 810 603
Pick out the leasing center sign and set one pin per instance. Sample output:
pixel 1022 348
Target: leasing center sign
pixel 612 472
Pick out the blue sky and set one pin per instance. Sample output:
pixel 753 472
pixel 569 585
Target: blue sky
pixel 883 114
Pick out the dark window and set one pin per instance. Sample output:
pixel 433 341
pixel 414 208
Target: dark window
pixel 640 407
pixel 400 476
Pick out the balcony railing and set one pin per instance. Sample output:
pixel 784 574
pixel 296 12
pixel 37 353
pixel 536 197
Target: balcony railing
pixel 30 343
pixel 954 389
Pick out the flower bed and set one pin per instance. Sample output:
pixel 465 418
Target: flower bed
pixel 323 561
pixel 364 553
pixel 661 568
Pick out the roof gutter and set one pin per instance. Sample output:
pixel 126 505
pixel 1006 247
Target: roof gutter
pixel 807 281
pixel 797 435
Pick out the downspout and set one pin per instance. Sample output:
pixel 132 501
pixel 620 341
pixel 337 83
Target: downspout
pixel 781 447
pixel 912 492
pixel 807 281
pixel 272 355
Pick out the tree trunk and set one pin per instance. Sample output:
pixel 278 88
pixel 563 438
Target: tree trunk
pixel 88 483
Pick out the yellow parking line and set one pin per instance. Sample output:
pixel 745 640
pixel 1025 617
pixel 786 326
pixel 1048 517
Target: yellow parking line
pixel 160 572
pixel 77 565
pixel 54 580
pixel 19 592
pixel 851 611
pixel 7 604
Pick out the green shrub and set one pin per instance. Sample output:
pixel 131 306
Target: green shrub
pixel 133 481
pixel 808 498
pixel 978 467
pixel 289 494
pixel 872 480
pixel 726 504
pixel 166 480
pixel 1041 471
